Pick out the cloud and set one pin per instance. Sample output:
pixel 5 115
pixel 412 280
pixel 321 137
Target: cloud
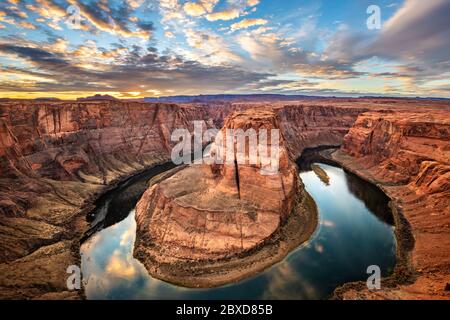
pixel 283 86
pixel 51 12
pixel 121 266
pixel 147 26
pixel 287 282
pixel 171 11
pixel 247 23
pixel 410 35
pixel 211 47
pixel 261 46
pixel 199 8
pixel 134 4
pixel 417 36
pixel 41 57
pixel 416 39
pixel 234 10
pixel 27 25
pixel 150 70
pixel 169 34
pixel 193 52
pixel 47 9
pixel 11 14
pixel 114 21
pixel 252 3
pixel 229 14
pixel 205 8
pixel 270 51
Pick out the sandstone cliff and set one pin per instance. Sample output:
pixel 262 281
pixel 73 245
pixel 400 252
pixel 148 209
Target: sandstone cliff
pixel 313 126
pixel 55 159
pixel 408 155
pixel 207 214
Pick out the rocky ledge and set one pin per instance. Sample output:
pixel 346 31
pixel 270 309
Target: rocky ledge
pixel 209 225
pixel 408 156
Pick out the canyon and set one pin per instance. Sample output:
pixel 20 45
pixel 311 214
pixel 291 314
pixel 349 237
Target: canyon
pixel 212 224
pixel 58 157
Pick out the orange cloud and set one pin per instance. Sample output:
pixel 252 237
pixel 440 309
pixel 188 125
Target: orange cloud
pixel 247 23
pixel 199 8
pixel 229 14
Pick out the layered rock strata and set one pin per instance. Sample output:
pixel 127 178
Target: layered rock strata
pixel 55 160
pixel 408 155
pixel 216 215
pixel 314 126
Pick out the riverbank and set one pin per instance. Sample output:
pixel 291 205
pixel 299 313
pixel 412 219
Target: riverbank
pixel 297 229
pixel 419 273
pixel 41 274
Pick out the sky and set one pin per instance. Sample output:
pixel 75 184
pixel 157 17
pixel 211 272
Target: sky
pixel 150 48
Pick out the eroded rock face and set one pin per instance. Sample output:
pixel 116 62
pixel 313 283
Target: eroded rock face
pixel 408 155
pixel 216 211
pixel 314 126
pixel 399 143
pixel 55 159
pixel 256 183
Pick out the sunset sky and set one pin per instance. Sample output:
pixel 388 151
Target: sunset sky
pixel 147 48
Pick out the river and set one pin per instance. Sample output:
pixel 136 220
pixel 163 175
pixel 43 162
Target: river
pixel 355 231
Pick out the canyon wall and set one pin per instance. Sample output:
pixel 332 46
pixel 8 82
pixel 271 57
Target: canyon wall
pixel 313 126
pixel 55 160
pixel 56 156
pixel 408 155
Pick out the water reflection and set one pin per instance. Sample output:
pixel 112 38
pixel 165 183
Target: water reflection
pixel 116 205
pixel 353 234
pixel 376 201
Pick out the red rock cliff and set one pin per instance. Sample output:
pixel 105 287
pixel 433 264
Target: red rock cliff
pixel 219 210
pixel 408 155
pixel 55 159
pixel 314 126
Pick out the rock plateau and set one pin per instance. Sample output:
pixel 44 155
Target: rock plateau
pixel 221 214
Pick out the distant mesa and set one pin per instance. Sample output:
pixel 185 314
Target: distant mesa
pixel 406 98
pixel 47 99
pixel 230 98
pixel 267 98
pixel 98 97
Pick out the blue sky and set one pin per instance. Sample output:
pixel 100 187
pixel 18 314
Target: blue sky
pixel 139 48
